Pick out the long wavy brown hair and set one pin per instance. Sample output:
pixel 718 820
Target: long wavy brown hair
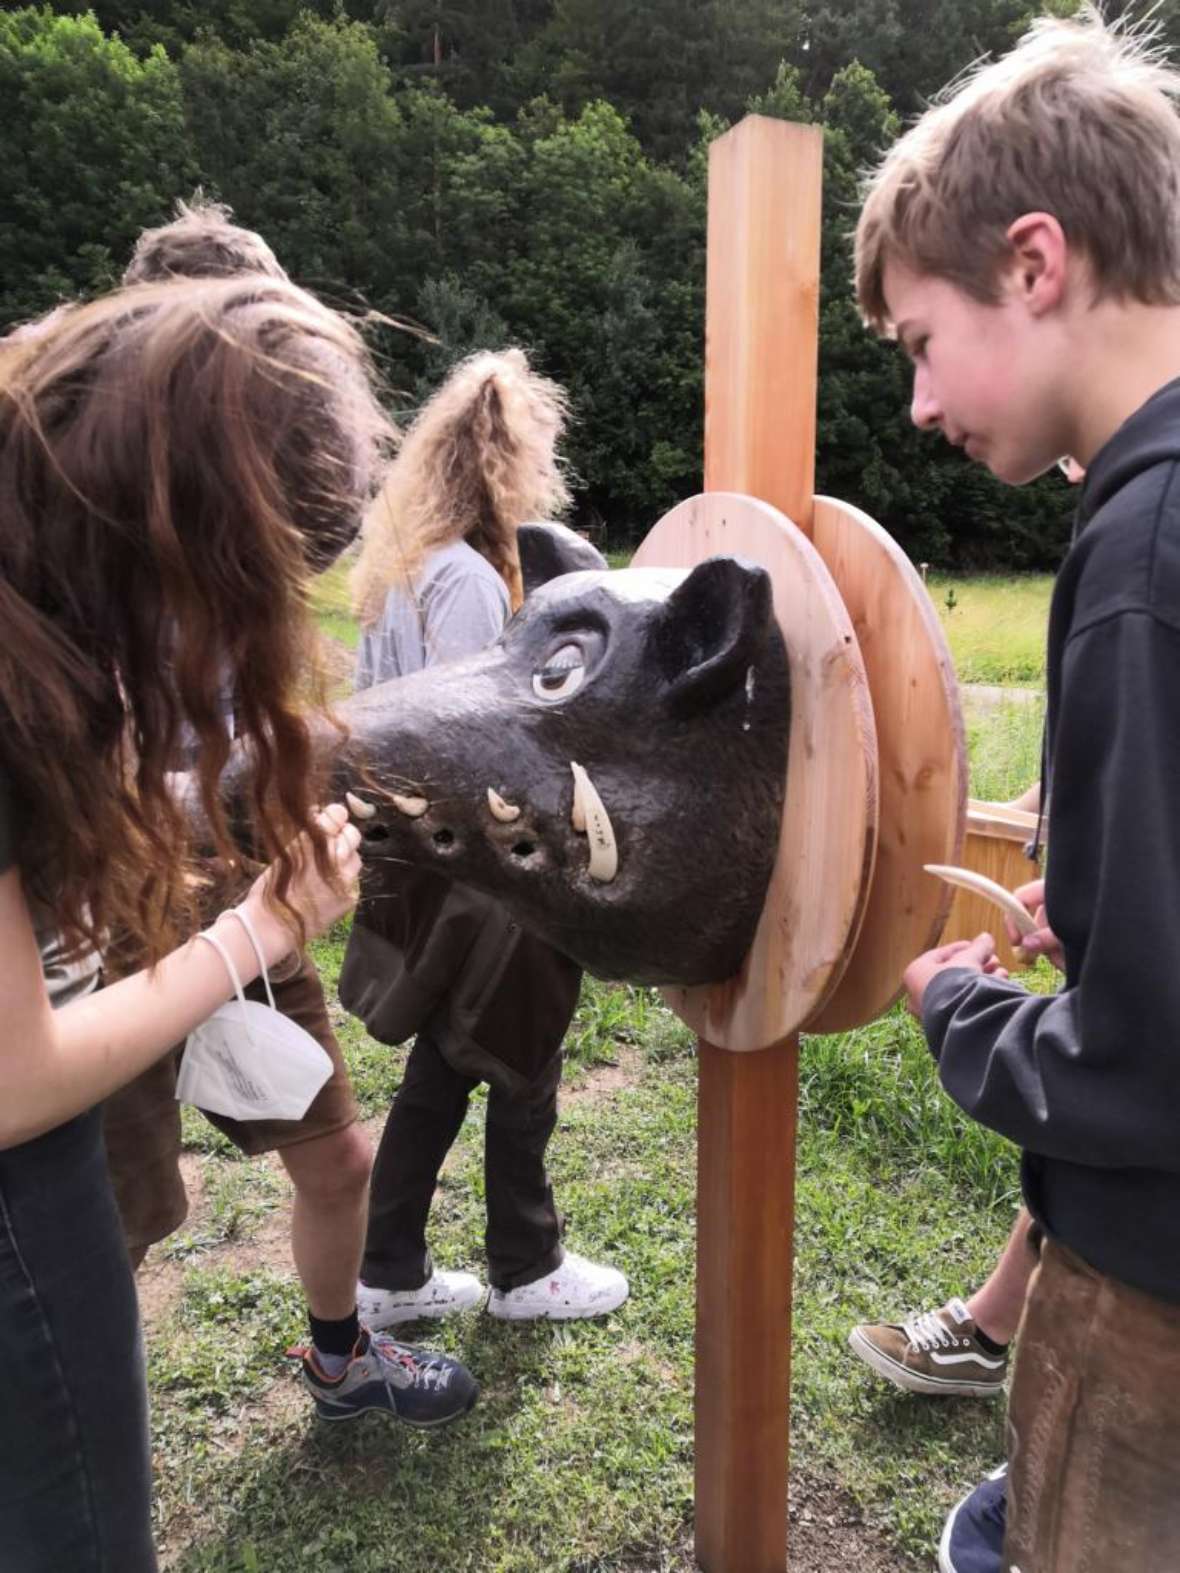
pixel 479 461
pixel 174 460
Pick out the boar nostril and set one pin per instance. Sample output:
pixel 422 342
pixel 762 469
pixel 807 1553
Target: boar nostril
pixel 523 849
pixel 444 838
pixel 375 833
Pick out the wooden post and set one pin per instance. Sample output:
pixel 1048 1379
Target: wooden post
pixel 762 313
pixel 760 396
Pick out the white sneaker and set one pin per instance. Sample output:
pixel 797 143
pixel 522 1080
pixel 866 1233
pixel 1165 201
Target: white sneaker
pixel 575 1289
pixel 443 1294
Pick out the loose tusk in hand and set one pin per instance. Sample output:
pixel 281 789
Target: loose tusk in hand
pixel 968 879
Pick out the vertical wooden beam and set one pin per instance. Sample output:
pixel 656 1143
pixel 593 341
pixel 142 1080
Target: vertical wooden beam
pixel 762 323
pixel 745 1220
pixel 762 313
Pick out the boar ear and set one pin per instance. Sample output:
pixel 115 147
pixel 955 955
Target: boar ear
pixel 549 550
pixel 711 629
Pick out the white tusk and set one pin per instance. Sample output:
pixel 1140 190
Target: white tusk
pixel 412 807
pixel 578 812
pixel 358 807
pixel 505 812
pixel 604 853
pixel 968 879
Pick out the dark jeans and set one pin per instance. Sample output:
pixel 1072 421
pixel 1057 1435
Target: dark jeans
pixel 523 1229
pixel 75 1465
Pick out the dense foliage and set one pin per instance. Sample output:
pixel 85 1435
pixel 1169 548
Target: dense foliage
pixel 529 171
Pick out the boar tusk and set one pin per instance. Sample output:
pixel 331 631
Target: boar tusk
pixel 358 807
pixel 504 812
pixel 578 812
pixel 604 853
pixel 412 807
pixel 969 879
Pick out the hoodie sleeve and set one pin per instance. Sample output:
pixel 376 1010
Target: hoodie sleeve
pixel 1092 1074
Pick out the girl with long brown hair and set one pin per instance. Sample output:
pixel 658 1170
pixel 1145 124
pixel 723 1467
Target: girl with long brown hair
pixel 174 460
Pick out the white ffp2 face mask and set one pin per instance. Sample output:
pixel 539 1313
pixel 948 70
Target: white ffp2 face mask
pixel 247 1061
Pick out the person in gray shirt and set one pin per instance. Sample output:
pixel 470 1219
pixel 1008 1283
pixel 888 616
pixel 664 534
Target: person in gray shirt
pixel 438 577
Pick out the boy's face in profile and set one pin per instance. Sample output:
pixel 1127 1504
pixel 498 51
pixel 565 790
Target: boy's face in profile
pixel 984 375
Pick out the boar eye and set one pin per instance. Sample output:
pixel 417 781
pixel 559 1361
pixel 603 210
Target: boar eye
pixel 561 675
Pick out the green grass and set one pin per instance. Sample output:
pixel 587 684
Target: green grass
pixel 332 605
pixel 1004 748
pixel 995 626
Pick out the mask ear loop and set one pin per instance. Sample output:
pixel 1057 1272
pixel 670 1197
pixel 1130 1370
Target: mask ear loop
pixel 252 936
pixel 211 939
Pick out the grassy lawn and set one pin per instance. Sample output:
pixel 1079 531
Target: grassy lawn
pixel 995 626
pixel 332 604
pixel 579 1454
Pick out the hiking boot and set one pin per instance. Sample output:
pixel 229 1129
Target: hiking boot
pixel 574 1289
pixel 443 1294
pixel 932 1352
pixel 973 1535
pixel 418 1387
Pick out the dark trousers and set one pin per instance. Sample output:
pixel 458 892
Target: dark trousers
pixel 523 1229
pixel 75 1466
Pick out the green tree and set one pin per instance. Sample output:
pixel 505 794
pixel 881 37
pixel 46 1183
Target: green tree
pixel 473 49
pixel 94 149
pixel 662 62
pixel 303 138
pixel 142 24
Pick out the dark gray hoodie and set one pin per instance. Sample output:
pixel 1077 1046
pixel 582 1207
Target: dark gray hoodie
pixel 1087 1082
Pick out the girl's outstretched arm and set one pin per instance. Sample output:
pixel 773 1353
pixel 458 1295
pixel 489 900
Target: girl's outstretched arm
pixel 55 1064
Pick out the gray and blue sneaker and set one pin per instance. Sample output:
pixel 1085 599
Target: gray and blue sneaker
pixel 416 1386
pixel 973 1536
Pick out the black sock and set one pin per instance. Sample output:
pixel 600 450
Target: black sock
pixel 335 1338
pixel 989 1345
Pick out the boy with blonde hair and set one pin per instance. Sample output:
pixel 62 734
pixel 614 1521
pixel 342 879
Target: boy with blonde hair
pixel 1022 243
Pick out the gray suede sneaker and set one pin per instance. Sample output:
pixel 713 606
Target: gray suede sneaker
pixel 415 1385
pixel 932 1352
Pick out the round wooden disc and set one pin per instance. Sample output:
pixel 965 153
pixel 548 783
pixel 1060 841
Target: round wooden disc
pixel 820 884
pixel 923 761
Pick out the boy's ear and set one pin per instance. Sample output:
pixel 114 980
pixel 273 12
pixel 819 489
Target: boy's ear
pixel 710 631
pixel 1040 254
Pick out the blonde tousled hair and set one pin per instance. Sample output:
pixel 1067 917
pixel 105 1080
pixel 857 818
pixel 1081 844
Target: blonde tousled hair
pixel 1076 121
pixel 479 461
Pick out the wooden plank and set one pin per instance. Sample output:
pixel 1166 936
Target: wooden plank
pixel 922 758
pixel 745 1222
pixel 820 885
pixel 762 313
pixel 996 838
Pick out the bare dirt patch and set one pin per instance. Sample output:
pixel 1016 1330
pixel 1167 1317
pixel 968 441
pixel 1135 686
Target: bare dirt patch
pixel 827 1533
pixel 603 1081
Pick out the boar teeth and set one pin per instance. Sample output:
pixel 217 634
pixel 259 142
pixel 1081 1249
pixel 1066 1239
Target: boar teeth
pixel 505 812
pixel 358 807
pixel 588 807
pixel 412 807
